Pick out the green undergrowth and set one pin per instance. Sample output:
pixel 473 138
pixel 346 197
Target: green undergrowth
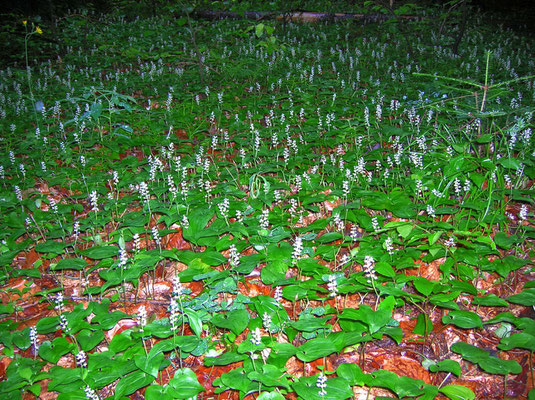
pixel 358 185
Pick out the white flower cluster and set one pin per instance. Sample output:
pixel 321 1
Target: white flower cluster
pixel 123 259
pixel 224 208
pixel 332 285
pixel 264 219
pixel 234 256
pixel 321 384
pixel 81 359
pixel 256 337
pixel 369 268
pixel 33 338
pixel 93 200
pixel 141 317
pixel 298 250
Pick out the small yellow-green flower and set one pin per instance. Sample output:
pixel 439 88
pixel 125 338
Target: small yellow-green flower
pixel 38 30
pixel 25 22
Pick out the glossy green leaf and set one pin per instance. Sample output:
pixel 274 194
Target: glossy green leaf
pixel 270 376
pixel 234 379
pixel 385 269
pixel 521 340
pixel 101 252
pixel 329 237
pixel 224 359
pixel 53 351
pixel 194 321
pixel 270 396
pixel 70 263
pixel 132 382
pixel 526 297
pixel 446 366
pixel 149 364
pixel 424 325
pixel 336 389
pixel 374 319
pixel 157 392
pixel 493 365
pixel 236 321
pixel 463 319
pixel 490 301
pixel 424 286
pixel 50 246
pixel 353 374
pixel 315 348
pixel 88 339
pixel 457 392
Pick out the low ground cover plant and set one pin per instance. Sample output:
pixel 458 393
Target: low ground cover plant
pixel 270 211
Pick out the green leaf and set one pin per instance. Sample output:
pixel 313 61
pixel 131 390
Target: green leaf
pixel 353 374
pixel 234 379
pixel 505 242
pixel 69 263
pixel 196 268
pixel 88 339
pixel 108 320
pixel 510 163
pixel 457 392
pixel 259 30
pixel 385 269
pixel 274 271
pixel 281 353
pixel 53 351
pixel 446 366
pixel 423 325
pixel 65 379
pixel 100 252
pixel 224 359
pixel 47 325
pixel 329 237
pixel 315 348
pixel 132 382
pixel 249 263
pixel 198 219
pixel 493 365
pixel 526 297
pixel 277 234
pixel 270 396
pixel 374 319
pixel 6 308
pixel 122 341
pixel 424 286
pixel 270 376
pixel 157 392
pixel 403 386
pixel 309 323
pixel 50 247
pixel 184 384
pixel 336 389
pixel 490 301
pixel 404 230
pixel 463 319
pixel 521 340
pixel 469 352
pixel 194 321
pixel 21 339
pixel 149 364
pixel 213 258
pixel 236 321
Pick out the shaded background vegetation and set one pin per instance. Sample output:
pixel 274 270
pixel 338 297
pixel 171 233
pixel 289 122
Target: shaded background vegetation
pixel 517 15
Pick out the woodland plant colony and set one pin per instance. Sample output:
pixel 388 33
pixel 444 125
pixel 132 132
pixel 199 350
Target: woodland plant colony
pixel 262 211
